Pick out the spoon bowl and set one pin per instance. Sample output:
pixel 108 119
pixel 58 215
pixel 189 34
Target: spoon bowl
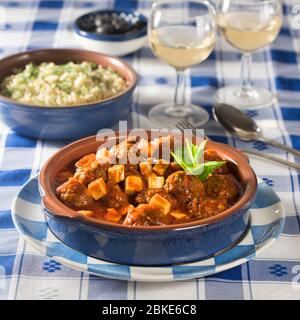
pixel 244 127
pixel 236 122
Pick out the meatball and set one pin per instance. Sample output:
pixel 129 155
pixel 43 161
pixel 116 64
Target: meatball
pixel 89 169
pixel 115 198
pixel 207 207
pixel 146 195
pixel 63 177
pixel 73 193
pixel 174 167
pixel 210 207
pixel 211 155
pixel 144 215
pixel 221 186
pixel 184 187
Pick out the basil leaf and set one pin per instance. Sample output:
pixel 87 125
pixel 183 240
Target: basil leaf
pixel 189 160
pixel 209 167
pixel 189 152
pixel 200 150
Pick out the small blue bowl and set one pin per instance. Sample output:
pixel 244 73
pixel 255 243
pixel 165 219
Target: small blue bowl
pixel 146 246
pixel 114 44
pixel 66 122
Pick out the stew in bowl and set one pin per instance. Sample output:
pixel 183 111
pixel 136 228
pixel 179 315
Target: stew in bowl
pixel 154 192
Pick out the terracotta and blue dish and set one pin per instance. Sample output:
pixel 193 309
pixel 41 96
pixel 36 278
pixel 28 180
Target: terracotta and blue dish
pixel 69 122
pixel 150 245
pixel 265 225
pixel 115 32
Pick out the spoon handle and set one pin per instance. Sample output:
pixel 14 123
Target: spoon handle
pixel 273 158
pixel 277 144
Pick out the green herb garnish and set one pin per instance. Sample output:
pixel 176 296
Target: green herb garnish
pixel 189 158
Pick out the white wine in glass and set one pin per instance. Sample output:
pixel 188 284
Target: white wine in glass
pixel 248 26
pixel 181 34
pixel 247 32
pixel 180 47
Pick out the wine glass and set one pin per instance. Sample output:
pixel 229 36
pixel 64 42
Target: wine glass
pixel 248 25
pixel 182 34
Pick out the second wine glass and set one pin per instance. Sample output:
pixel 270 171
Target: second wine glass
pixel 248 25
pixel 182 34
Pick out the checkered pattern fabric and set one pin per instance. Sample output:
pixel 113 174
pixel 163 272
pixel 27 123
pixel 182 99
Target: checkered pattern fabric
pixel 27 274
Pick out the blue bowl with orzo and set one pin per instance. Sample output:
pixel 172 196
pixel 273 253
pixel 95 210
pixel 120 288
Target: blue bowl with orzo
pixel 64 121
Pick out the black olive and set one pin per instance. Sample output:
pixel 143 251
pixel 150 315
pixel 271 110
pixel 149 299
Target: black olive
pixel 111 23
pixel 115 15
pixel 107 28
pixel 86 26
pixel 140 24
pixel 115 22
pixel 121 26
pixel 105 18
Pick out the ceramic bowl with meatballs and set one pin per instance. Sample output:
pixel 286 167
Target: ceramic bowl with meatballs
pixel 154 212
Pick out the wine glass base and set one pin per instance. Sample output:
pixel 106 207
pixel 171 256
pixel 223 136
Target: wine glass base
pixel 166 116
pixel 253 98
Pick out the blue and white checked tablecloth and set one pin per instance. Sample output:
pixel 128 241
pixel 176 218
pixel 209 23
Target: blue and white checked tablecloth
pixel 25 274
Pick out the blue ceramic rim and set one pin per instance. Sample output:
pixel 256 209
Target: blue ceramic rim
pixel 111 38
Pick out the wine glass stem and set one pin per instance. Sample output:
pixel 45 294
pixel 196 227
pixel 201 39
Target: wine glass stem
pixel 246 71
pixel 179 99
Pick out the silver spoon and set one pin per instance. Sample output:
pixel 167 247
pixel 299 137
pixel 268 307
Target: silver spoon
pixel 242 126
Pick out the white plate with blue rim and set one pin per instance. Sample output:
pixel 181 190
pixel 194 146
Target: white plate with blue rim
pixel 266 223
